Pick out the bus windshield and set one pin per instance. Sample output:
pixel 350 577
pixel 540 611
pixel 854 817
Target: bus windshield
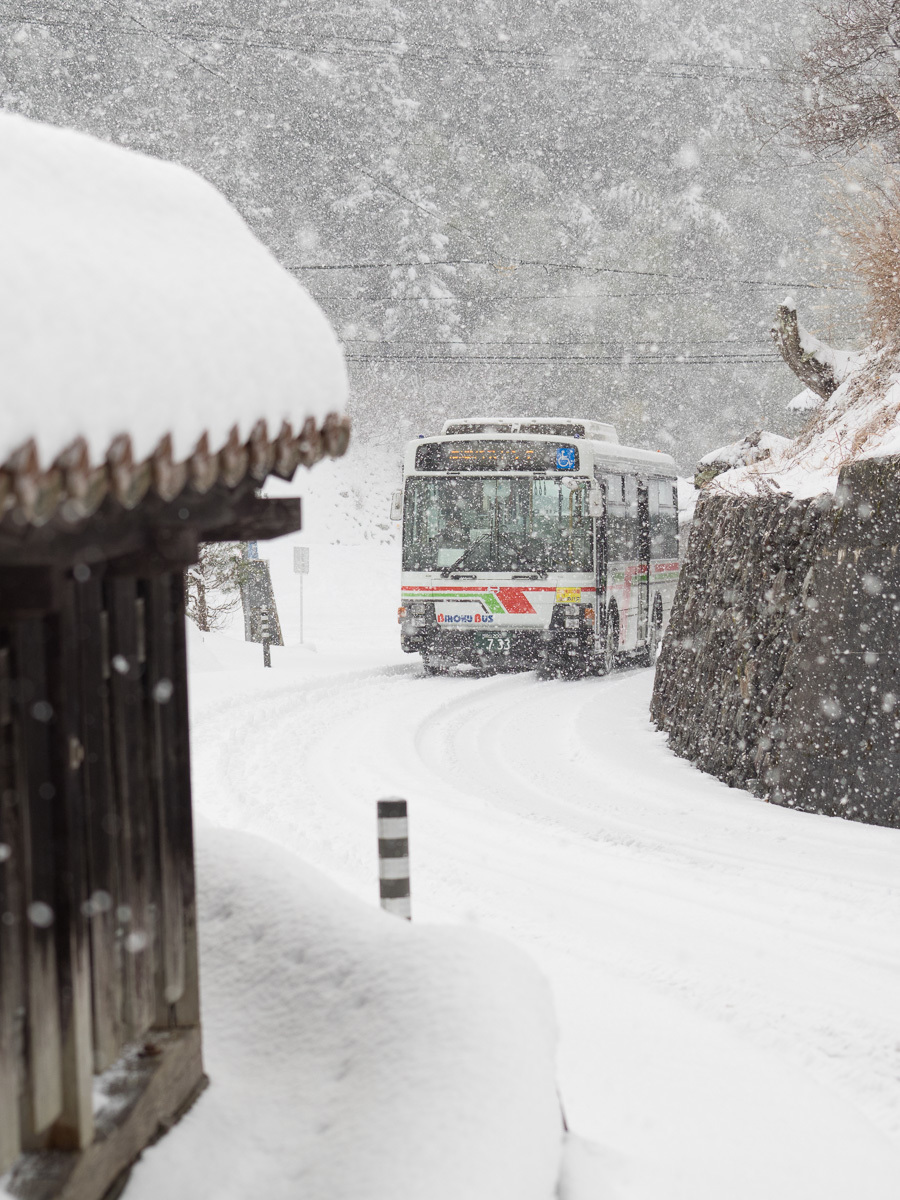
pixel 528 524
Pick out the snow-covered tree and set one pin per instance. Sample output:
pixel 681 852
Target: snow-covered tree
pixel 213 584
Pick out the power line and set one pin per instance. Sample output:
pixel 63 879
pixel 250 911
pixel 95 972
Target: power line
pixel 482 296
pixel 645 342
pixel 476 297
pixel 447 51
pixel 619 361
pixel 553 266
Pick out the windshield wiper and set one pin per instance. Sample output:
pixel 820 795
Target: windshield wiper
pixel 445 571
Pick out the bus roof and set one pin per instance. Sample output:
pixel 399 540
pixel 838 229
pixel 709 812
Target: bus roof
pixel 593 452
pixel 598 431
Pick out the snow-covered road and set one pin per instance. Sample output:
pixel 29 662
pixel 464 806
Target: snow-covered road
pixel 726 973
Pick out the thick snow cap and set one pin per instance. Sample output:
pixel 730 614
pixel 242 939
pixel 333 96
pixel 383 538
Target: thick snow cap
pixel 134 300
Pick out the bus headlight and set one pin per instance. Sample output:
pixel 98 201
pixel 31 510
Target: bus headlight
pixel 416 616
pixel 573 616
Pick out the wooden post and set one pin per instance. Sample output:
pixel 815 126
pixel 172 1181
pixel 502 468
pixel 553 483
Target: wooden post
pixel 136 856
pixel 102 820
pixel 393 857
pixel 161 716
pixel 74 1127
pixel 11 979
pixel 185 1012
pixel 35 799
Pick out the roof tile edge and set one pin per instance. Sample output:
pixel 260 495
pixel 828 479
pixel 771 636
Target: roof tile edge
pixel 73 488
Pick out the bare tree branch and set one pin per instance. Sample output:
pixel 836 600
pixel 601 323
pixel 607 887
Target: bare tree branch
pixel 815 374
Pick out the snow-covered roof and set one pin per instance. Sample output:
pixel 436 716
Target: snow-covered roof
pixel 139 315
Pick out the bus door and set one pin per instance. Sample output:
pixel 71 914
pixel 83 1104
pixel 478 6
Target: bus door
pixel 601 557
pixel 643 564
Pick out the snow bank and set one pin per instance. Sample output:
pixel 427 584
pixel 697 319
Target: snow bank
pixel 688 495
pixel 752 448
pixel 133 298
pixel 805 401
pixel 861 419
pixel 355 1055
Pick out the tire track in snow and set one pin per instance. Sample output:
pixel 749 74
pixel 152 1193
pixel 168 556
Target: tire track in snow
pixel 539 810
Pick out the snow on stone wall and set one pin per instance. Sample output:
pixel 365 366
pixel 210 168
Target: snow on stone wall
pixel 134 299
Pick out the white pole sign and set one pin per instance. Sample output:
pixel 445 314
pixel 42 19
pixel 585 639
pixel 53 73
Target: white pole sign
pixel 301 568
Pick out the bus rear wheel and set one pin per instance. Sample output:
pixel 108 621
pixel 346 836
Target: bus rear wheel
pixel 654 637
pixel 610 645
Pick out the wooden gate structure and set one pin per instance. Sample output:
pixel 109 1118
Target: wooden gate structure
pixel 99 991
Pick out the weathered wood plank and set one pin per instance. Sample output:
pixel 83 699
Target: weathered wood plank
pixel 259 517
pixel 74 1127
pixel 11 913
pixel 113 531
pixel 158 1089
pixel 102 822
pixel 136 849
pixel 32 712
pixel 28 591
pixel 186 1011
pixel 161 718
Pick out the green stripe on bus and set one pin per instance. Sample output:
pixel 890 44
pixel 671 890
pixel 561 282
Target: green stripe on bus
pixel 490 601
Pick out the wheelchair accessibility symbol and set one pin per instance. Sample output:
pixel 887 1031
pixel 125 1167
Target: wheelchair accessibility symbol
pixel 565 458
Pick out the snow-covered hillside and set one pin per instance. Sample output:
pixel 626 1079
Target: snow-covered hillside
pixel 860 419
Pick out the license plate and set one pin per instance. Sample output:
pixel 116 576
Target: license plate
pixel 500 643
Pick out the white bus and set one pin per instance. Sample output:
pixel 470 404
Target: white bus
pixel 537 542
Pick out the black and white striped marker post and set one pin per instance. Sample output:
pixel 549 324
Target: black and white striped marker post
pixel 393 857
pixel 264 629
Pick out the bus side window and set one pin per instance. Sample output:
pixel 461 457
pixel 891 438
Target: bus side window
pixel 664 528
pixel 621 517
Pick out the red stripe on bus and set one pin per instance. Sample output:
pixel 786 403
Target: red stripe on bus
pixel 514 600
pixel 409 587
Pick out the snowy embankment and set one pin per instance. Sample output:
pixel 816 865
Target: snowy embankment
pixel 354 1055
pixel 859 420
pixel 725 973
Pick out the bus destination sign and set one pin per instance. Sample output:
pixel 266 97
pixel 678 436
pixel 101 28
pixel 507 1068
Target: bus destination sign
pixel 459 455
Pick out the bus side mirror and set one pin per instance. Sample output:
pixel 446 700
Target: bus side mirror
pixel 397 506
pixel 596 505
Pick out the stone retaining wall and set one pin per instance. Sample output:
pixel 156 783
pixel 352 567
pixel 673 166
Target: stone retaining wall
pixel 779 669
